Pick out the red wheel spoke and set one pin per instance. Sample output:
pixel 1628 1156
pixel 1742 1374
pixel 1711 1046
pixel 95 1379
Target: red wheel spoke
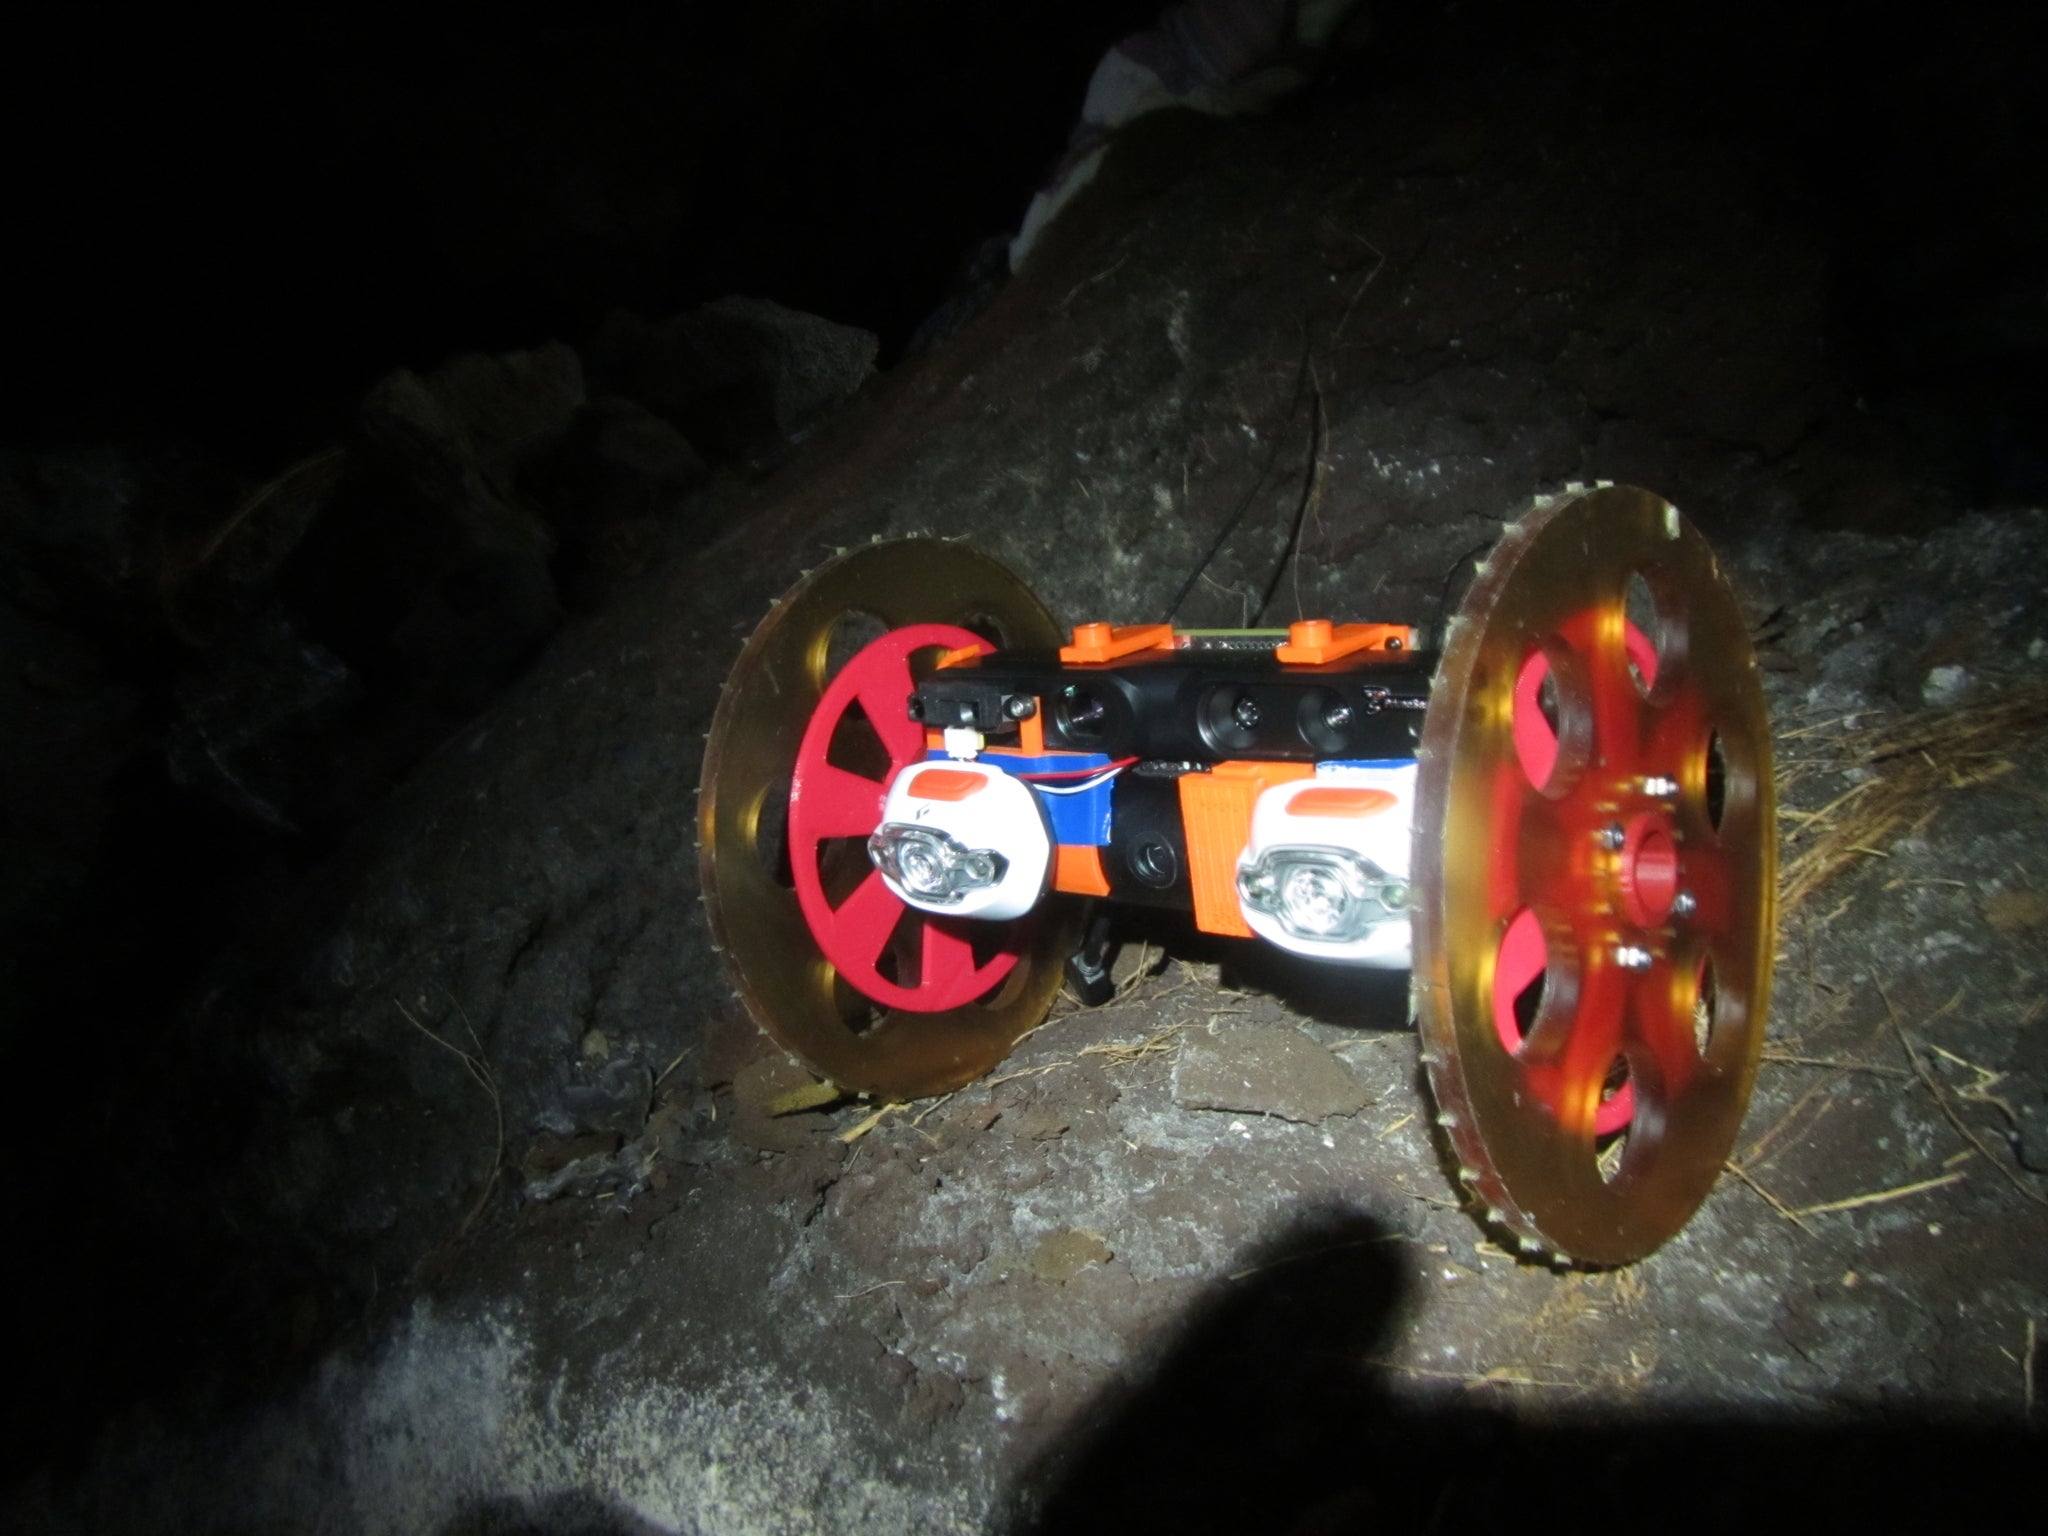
pixel 1618 706
pixel 1662 1027
pixel 948 957
pixel 866 921
pixel 1546 869
pixel 1596 1039
pixel 837 803
pixel 1709 880
pixel 884 693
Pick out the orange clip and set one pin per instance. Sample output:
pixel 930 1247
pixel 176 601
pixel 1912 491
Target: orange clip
pixel 1095 643
pixel 1314 641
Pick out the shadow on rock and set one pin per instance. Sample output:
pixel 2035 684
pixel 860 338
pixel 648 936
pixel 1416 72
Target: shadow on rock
pixel 1251 1418
pixel 562 1514
pixel 1348 996
pixel 1271 1412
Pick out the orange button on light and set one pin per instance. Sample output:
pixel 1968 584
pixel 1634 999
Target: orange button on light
pixel 1342 802
pixel 946 784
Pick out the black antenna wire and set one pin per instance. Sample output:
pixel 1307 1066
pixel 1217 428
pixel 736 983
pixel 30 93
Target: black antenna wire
pixel 1244 503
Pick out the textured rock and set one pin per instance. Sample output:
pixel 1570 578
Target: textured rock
pixel 1062 1255
pixel 740 376
pixel 511 406
pixel 1265 1071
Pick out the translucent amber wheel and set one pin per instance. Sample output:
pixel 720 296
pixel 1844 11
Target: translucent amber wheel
pixel 1596 869
pixel 870 994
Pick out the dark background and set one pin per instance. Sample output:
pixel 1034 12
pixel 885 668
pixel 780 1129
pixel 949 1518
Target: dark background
pixel 228 228
pixel 222 227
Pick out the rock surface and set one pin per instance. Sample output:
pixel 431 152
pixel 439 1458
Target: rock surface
pixel 1265 1072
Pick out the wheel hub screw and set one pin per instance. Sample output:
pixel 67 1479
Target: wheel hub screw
pixel 1337 716
pixel 1658 784
pixel 1246 713
pixel 1612 836
pixel 1684 904
pixel 1632 957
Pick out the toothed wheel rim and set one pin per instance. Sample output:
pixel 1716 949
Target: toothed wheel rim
pixel 800 749
pixel 1596 850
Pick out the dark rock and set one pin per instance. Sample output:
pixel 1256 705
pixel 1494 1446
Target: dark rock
pixel 1265 1070
pixel 611 491
pixel 551 1154
pixel 1037 1122
pixel 72 517
pixel 754 1092
pixel 740 376
pixel 513 406
pixel 613 1099
pixel 254 725
pixel 425 569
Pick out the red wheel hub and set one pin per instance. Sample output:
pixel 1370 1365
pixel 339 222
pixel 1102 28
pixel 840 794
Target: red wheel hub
pixel 829 804
pixel 1647 870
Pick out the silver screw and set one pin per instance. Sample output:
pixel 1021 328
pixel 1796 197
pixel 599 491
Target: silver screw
pixel 1684 904
pixel 1632 957
pixel 1612 836
pixel 1657 784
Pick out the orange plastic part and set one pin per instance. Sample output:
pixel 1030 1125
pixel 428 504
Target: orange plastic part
pixel 1078 871
pixel 1030 735
pixel 1334 801
pixel 1095 643
pixel 1312 642
pixel 1216 819
pixel 946 784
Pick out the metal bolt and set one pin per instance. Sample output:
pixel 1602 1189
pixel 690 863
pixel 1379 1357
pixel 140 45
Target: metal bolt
pixel 1632 957
pixel 1657 784
pixel 1684 904
pixel 1020 706
pixel 1337 716
pixel 1246 713
pixel 1611 836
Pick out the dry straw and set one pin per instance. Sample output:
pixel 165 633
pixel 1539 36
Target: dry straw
pixel 1901 768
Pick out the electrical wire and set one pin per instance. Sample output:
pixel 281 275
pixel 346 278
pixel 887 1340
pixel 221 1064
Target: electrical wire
pixel 1244 504
pixel 1096 778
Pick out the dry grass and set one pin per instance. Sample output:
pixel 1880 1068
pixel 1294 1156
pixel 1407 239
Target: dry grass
pixel 1901 767
pixel 1497 1376
pixel 1879 1196
pixel 1161 1042
pixel 479 1069
pixel 1978 1092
